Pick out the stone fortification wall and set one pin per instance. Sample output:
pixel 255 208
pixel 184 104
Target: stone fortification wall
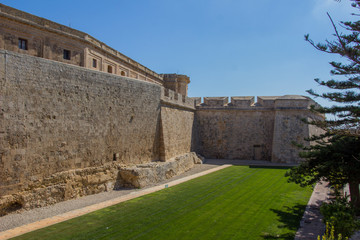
pixel 66 131
pixel 245 129
pixel 235 130
pixel 289 127
pixel 177 120
pixel 56 117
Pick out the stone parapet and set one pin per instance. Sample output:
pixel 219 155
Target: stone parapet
pixel 293 101
pixel 170 97
pixel 242 101
pixel 266 101
pixel 262 103
pixel 215 101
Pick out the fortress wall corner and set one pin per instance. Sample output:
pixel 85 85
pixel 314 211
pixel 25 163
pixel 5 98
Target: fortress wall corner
pixel 290 128
pixel 177 124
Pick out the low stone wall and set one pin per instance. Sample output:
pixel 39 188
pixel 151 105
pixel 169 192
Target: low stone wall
pixel 145 174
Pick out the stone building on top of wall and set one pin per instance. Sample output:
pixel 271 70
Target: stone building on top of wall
pixel 28 34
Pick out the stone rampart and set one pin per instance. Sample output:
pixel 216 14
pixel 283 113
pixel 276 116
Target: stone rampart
pixel 245 129
pixel 57 117
pixel 65 131
pixel 177 124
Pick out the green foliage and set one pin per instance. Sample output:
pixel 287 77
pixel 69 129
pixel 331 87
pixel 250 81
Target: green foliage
pixel 335 156
pixel 336 161
pixel 330 234
pixel 340 214
pixel 345 87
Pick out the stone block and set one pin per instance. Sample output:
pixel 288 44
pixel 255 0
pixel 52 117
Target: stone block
pixel 266 101
pixel 146 174
pixel 242 102
pixel 293 101
pixel 215 101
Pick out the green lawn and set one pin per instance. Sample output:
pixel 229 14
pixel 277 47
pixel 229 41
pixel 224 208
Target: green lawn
pixel 238 202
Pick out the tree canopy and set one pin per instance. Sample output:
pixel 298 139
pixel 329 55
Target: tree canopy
pixel 336 155
pixel 346 43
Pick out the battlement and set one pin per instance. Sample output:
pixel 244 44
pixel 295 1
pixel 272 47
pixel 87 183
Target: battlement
pixel 248 102
pixel 173 98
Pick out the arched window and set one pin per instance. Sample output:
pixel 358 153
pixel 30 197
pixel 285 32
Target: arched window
pixel 123 73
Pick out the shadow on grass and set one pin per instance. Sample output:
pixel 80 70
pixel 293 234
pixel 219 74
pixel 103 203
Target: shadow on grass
pixel 290 219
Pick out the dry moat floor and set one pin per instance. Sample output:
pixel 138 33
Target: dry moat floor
pixel 239 202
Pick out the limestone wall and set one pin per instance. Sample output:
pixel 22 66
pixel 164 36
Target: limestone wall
pixel 177 124
pixel 66 131
pixel 57 117
pixel 235 130
pixel 249 130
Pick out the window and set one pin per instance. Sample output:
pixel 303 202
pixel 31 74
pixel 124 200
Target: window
pixel 23 44
pixel 123 73
pixel 109 69
pixel 94 63
pixel 66 54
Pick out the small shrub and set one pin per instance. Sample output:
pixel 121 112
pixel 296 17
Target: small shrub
pixel 330 234
pixel 341 215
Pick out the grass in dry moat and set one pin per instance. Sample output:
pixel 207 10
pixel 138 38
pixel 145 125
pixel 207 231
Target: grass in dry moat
pixel 238 202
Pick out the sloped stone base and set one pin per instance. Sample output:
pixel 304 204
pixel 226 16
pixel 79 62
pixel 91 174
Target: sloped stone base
pixel 146 174
pixel 75 183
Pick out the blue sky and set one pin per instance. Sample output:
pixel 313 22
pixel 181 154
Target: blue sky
pixel 227 47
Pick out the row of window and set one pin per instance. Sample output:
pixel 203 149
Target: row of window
pixel 23 44
pixel 109 68
pixel 94 64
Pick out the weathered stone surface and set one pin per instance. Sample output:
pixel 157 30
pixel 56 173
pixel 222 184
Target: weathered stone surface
pixel 245 130
pixel 176 132
pixel 62 186
pixel 57 117
pixel 75 183
pixel 62 126
pixel 145 174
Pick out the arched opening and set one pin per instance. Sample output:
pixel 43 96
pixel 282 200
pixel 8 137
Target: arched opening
pixel 123 73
